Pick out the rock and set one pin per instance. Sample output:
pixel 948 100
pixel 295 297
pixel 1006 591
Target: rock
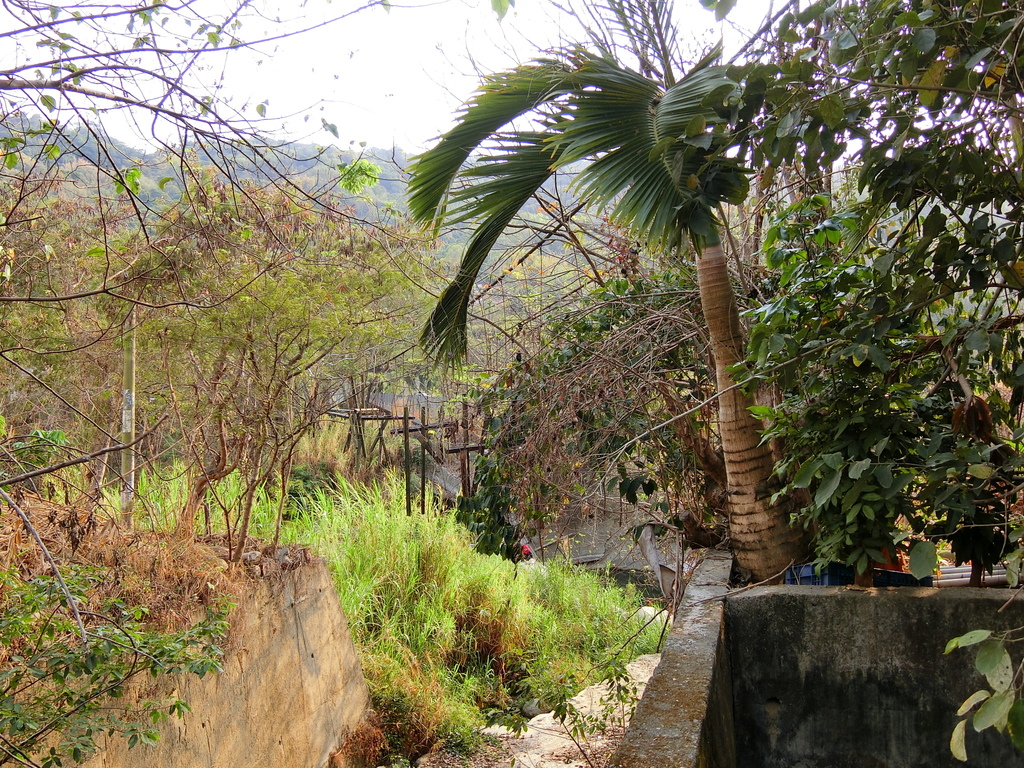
pixel 545 742
pixel 648 613
pixel 498 731
pixel 533 708
pixel 249 558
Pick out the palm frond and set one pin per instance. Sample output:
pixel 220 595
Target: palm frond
pixel 649 31
pixel 509 180
pixel 657 161
pixel 655 158
pixel 501 99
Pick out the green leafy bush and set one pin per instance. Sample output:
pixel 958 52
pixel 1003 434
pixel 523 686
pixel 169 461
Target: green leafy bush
pixel 56 687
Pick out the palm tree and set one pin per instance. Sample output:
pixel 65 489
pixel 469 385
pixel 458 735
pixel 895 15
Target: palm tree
pixel 655 151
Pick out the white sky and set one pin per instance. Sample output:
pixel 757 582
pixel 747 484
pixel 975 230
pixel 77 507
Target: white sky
pixel 397 78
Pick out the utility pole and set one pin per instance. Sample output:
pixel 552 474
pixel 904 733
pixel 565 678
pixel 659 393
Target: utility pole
pixel 128 425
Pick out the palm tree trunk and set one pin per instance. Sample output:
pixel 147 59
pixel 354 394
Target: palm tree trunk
pixel 762 539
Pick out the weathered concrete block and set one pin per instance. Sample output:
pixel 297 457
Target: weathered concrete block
pixel 684 719
pixel 849 678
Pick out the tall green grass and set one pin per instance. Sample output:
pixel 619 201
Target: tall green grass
pixel 445 632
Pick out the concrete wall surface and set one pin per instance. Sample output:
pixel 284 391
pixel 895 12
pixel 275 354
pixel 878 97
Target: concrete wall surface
pixel 291 690
pixel 833 677
pixel 684 719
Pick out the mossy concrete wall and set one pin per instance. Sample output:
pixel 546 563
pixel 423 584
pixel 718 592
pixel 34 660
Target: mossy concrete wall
pixel 816 677
pixel 684 719
pixel 849 678
pixel 291 691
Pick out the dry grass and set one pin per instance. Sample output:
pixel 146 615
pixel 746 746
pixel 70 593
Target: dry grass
pixel 324 447
pixel 172 579
pixel 363 747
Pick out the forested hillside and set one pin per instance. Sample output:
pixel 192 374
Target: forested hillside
pixel 76 147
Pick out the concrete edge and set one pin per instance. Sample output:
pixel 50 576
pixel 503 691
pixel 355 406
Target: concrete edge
pixel 684 719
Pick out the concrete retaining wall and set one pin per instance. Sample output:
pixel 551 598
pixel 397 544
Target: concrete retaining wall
pixel 291 690
pixel 816 677
pixel 684 719
pixel 846 678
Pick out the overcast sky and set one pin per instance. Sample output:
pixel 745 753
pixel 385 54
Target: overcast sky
pixel 396 77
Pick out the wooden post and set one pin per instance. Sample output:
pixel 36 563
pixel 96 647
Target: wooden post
pixel 356 425
pixel 361 439
pixel 464 456
pixel 405 432
pixel 423 461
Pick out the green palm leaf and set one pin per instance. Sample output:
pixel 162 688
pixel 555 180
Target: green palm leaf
pixel 502 98
pixel 656 161
pixel 511 179
pixel 660 166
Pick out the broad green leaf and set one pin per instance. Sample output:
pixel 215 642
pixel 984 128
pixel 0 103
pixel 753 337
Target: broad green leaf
pixel 832 110
pixel 924 39
pixel 1015 724
pixel 993 712
pixel 261 109
pixel 1013 562
pixel 661 147
pixel 722 8
pixel 834 460
pixel 858 468
pixel 806 473
pixel 971 638
pixel 878 358
pixel 331 128
pixel 923 559
pixel 846 40
pixel 993 661
pixel 48 101
pixel 828 488
pixel 500 7
pixel 977 341
pixel 981 471
pixel 930 81
pixel 883 473
pixel 972 701
pixel 989 655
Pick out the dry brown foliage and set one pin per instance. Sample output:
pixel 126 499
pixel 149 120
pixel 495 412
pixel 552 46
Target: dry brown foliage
pixel 173 578
pixel 363 747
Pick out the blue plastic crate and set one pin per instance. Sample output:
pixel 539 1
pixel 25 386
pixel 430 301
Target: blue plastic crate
pixel 832 575
pixel 838 574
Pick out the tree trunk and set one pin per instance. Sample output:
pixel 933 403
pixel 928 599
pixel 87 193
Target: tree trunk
pixel 762 539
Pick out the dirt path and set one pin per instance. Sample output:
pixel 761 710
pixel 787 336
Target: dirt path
pixel 546 743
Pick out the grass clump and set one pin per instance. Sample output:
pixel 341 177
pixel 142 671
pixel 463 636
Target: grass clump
pixel 445 632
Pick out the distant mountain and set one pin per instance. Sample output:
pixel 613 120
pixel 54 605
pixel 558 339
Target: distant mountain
pixel 39 147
